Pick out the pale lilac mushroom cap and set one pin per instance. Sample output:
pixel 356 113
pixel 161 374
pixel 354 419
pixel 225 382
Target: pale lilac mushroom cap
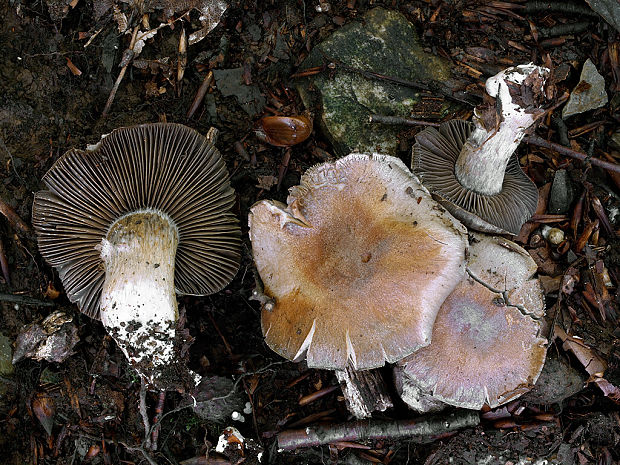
pixel 486 348
pixel 356 265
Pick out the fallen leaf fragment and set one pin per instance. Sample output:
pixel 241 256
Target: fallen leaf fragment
pixel 74 69
pixel 591 361
pixel 44 408
pixel 52 340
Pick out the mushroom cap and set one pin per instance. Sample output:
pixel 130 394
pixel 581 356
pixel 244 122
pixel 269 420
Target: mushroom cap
pixel 356 265
pixel 166 167
pixel 484 350
pixel 434 157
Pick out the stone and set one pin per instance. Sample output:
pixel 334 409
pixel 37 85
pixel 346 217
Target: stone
pixel 557 381
pixel 588 94
pixel 6 356
pixel 216 399
pixel 383 42
pixel 562 194
pixel 609 11
pixel 230 83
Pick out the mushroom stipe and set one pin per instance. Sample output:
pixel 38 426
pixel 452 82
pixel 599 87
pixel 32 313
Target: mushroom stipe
pixel 142 215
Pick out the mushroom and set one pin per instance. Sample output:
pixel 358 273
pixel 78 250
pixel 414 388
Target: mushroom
pixel 356 265
pixel 471 168
pixel 143 215
pixel 486 347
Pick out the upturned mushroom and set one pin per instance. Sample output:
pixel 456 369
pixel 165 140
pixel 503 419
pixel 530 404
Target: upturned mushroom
pixel 141 217
pixel 471 168
pixel 486 347
pixel 356 265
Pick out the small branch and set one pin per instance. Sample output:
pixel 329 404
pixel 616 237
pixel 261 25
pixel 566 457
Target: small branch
pixel 364 391
pixel 25 300
pixel 399 120
pixel 156 420
pixel 144 414
pixel 533 139
pixel 127 58
pixel 4 265
pixel 14 219
pixel 540 142
pixel 431 86
pixel 200 94
pixel 377 429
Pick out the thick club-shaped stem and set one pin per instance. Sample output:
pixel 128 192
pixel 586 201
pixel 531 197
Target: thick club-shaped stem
pixel 482 162
pixel 138 302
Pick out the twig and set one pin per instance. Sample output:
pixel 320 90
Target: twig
pixel 6 149
pixel 200 94
pixel 376 429
pixel 4 265
pixel 400 120
pixel 145 416
pixel 540 142
pixel 156 420
pixel 25 300
pixel 127 58
pixel 13 218
pixel 535 6
pixel 533 139
pixel 305 400
pixel 432 86
pixel 563 29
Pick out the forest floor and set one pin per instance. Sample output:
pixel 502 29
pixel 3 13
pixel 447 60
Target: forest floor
pixel 61 60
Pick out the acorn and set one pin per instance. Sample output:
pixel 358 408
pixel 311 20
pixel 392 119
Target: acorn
pixel 283 131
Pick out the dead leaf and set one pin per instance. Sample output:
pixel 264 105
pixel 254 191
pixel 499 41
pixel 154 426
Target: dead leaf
pixel 266 182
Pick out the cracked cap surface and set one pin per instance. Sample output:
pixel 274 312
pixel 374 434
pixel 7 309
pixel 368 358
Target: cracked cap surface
pixel 357 264
pixel 484 351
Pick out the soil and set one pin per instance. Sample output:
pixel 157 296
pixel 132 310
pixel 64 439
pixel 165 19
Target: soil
pixel 53 90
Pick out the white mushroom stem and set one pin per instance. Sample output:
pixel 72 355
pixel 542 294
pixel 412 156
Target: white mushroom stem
pixel 482 162
pixel 138 301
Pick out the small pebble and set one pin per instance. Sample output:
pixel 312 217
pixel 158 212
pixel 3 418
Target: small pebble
pixel 555 236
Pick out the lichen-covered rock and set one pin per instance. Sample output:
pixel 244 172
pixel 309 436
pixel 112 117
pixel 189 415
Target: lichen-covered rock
pixel 383 42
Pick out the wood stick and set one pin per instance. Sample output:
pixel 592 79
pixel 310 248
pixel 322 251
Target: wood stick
pixel 25 300
pixel 540 142
pixel 14 219
pixel 364 391
pixel 200 94
pixel 125 62
pixel 4 265
pixel 400 120
pixel 533 139
pixel 377 429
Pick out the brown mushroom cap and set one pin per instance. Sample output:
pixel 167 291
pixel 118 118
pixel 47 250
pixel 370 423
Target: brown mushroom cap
pixel 357 263
pixel 483 351
pixel 434 157
pixel 166 167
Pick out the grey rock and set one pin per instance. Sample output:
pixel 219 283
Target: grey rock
pixel 614 140
pixel 384 42
pixel 216 399
pixel 562 193
pixel 557 381
pixel 609 11
pixel 565 454
pixel 588 94
pixel 230 83
pixel 6 356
